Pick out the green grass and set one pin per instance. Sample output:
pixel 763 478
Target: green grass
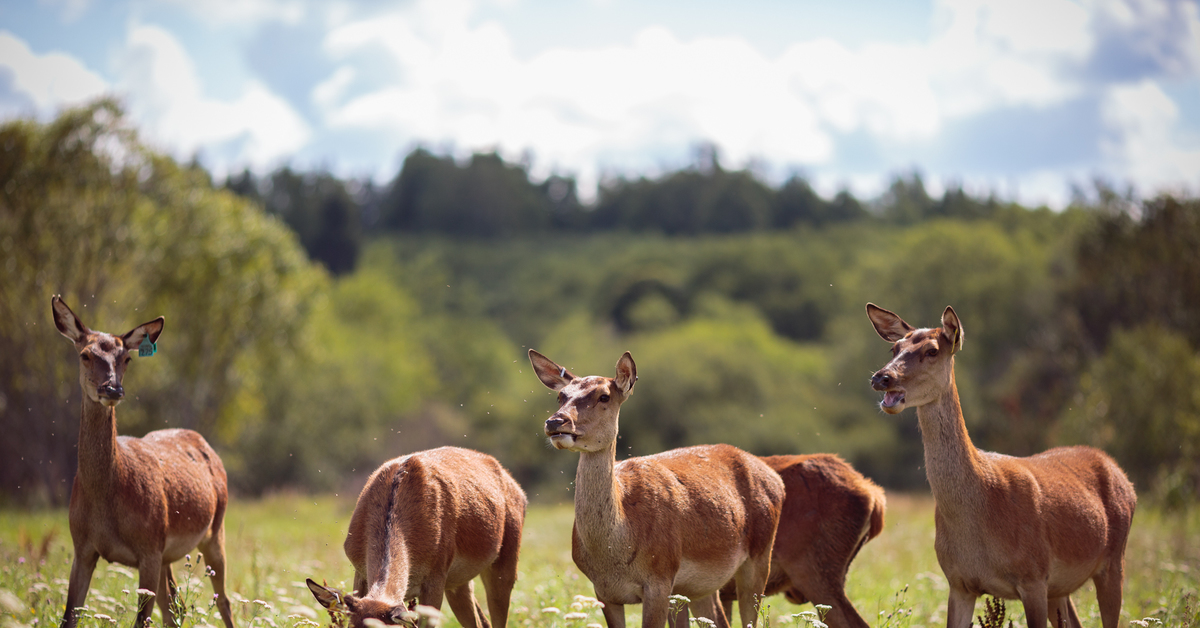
pixel 275 543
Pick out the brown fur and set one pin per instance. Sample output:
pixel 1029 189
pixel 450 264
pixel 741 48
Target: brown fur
pixel 1035 528
pixel 829 513
pixel 142 502
pixel 425 525
pixel 685 521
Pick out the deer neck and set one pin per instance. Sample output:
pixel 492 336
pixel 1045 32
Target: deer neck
pixel 599 517
pixel 953 466
pixel 98 454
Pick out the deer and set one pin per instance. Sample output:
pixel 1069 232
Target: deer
pixel 425 525
pixel 684 521
pixel 142 502
pixel 830 511
pixel 1034 528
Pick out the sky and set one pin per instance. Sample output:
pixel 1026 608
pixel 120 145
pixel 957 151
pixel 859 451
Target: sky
pixel 1018 98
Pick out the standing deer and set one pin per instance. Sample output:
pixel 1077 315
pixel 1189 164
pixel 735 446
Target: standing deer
pixel 425 526
pixel 685 521
pixel 143 502
pixel 1033 528
pixel 829 513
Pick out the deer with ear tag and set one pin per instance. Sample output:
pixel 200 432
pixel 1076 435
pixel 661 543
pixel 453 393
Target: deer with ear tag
pixel 685 521
pixel 143 502
pixel 1034 528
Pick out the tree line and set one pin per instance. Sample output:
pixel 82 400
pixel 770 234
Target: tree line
pixel 317 326
pixel 486 197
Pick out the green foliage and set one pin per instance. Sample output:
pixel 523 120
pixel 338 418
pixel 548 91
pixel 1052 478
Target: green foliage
pixel 485 198
pixel 1139 401
pixel 125 235
pixel 317 206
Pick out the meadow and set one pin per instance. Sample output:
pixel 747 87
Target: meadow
pixel 274 543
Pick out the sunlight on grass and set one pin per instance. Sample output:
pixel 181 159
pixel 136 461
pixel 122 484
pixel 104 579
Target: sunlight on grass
pixel 277 542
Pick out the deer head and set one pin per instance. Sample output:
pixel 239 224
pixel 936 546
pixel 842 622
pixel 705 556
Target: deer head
pixel 922 365
pixel 355 610
pixel 102 357
pixel 586 420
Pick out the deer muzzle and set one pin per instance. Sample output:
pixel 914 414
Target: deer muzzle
pixel 110 392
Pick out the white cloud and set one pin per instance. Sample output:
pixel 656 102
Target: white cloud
pixel 257 128
pixel 1146 147
pixel 45 82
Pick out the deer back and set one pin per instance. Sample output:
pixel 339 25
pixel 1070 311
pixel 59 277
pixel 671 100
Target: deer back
pixel 444 510
pixel 697 503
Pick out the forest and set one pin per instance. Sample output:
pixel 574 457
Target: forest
pixel 317 326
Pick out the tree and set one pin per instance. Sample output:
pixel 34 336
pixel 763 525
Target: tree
pixel 87 212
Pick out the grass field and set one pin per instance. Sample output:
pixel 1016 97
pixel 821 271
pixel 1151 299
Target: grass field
pixel 275 543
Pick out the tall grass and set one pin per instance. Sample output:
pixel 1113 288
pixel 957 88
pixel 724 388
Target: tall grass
pixel 274 544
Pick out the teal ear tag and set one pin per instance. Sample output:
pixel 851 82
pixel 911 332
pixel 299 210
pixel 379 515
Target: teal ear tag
pixel 147 348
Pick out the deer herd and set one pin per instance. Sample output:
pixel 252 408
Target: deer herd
pixel 711 522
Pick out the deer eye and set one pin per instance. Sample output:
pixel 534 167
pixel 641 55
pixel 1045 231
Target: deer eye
pixel 603 398
pixel 931 352
pixel 85 357
pixel 127 359
pixel 561 399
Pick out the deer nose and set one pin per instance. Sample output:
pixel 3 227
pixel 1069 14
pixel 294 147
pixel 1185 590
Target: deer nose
pixel 111 391
pixel 554 423
pixel 882 381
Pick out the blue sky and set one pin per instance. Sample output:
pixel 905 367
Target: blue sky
pixel 1020 97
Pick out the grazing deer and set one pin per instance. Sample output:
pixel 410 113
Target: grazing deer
pixel 829 513
pixel 143 502
pixel 1033 528
pixel 425 525
pixel 685 521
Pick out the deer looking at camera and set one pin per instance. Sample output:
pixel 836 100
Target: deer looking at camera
pixel 829 513
pixel 685 521
pixel 1034 529
pixel 143 502
pixel 425 526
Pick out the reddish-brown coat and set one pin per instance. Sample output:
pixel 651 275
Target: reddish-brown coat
pixel 829 513
pixel 1034 528
pixel 143 502
pixel 685 521
pixel 425 525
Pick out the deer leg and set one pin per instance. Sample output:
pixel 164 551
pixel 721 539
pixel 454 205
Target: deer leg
pixel 655 604
pixel 959 609
pixel 1037 611
pixel 1062 613
pixel 727 606
pixel 614 615
pixel 841 612
pixel 751 581
pixel 81 580
pixel 679 618
pixel 498 584
pixel 466 608
pixel 149 569
pixel 213 549
pixel 167 592
pixel 708 608
pixel 1109 583
pixel 501 576
pixel 432 592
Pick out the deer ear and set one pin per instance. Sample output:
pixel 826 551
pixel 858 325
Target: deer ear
pixel 552 375
pixel 65 320
pixel 626 373
pixel 952 327
pixel 331 599
pixel 151 330
pixel 889 326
